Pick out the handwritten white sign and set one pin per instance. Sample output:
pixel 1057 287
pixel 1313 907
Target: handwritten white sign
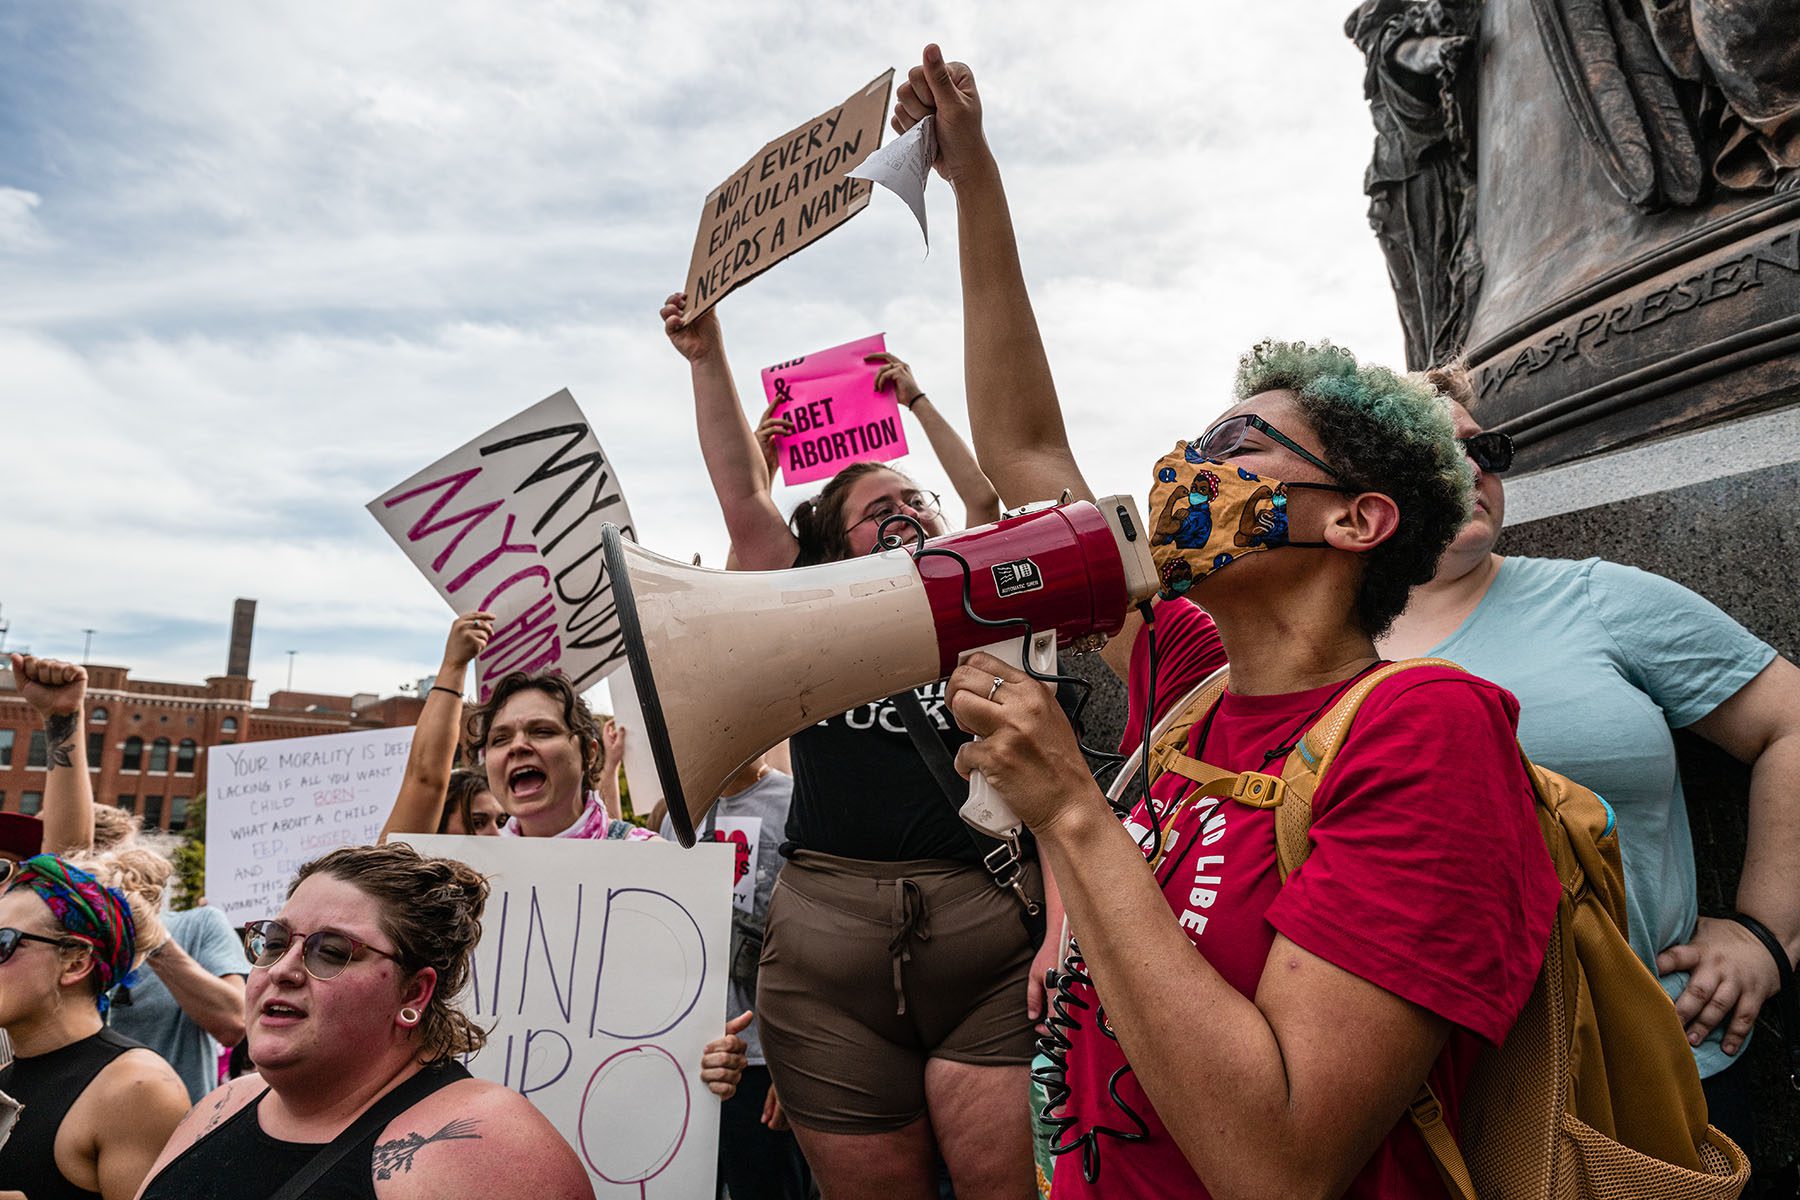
pixel 601 972
pixel 271 806
pixel 510 524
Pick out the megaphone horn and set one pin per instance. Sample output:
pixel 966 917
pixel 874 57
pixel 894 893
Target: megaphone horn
pixel 722 665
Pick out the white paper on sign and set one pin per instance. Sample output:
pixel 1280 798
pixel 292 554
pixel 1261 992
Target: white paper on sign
pixel 9 1116
pixel 272 806
pixel 510 524
pixel 601 976
pixel 903 167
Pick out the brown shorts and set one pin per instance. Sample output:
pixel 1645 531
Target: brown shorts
pixel 872 968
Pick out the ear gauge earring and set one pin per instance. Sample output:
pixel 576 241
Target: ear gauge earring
pixel 409 1016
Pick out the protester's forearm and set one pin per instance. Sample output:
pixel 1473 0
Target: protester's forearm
pixel 1769 889
pixel 734 464
pixel 419 807
pixel 1157 992
pixel 981 503
pixel 68 812
pixel 609 794
pixel 213 1002
pixel 1014 415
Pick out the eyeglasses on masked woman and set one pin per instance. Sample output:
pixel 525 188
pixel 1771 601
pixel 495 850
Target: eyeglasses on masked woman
pixel 324 954
pixel 1227 438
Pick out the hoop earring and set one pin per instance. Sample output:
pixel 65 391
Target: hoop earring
pixel 409 1016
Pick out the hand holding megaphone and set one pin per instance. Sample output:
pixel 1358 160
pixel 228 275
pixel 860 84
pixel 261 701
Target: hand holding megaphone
pixel 985 808
pixel 1025 753
pixel 722 665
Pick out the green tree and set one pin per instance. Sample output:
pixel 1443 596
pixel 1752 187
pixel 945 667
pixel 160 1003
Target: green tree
pixel 190 857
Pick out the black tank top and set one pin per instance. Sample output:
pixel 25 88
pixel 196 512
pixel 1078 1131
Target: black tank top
pixel 48 1086
pixel 238 1161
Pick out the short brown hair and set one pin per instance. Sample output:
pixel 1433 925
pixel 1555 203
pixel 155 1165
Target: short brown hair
pixel 576 715
pixel 431 909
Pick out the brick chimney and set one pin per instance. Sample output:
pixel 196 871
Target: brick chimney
pixel 243 624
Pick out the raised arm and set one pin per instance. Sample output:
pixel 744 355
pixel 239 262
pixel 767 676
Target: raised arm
pixel 981 503
pixel 734 461
pixel 419 808
pixel 612 756
pixel 1013 411
pixel 55 690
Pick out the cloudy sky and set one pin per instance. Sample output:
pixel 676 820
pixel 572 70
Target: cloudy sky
pixel 262 262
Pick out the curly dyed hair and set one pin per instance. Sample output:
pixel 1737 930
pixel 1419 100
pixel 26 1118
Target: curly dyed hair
pixel 431 908
pixel 1381 432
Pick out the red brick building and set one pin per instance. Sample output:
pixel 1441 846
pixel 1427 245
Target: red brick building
pixel 146 739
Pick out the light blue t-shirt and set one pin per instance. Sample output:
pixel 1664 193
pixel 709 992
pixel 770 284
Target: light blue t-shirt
pixel 155 1019
pixel 1605 660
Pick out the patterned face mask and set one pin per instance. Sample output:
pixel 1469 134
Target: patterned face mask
pixel 1208 513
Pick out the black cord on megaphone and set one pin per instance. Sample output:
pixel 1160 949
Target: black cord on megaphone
pixel 1085 690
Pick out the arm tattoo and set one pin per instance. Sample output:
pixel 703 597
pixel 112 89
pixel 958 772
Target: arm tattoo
pixel 218 1112
pixel 59 735
pixel 398 1154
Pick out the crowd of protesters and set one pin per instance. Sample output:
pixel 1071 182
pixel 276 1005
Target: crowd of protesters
pixel 1225 1024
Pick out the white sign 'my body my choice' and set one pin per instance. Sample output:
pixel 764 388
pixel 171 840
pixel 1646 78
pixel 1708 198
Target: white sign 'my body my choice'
pixel 510 524
pixel 272 806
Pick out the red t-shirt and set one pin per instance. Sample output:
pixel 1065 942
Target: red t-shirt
pixel 1428 877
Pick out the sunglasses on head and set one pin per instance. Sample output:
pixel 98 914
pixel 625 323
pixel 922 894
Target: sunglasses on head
pixel 1492 451
pixel 10 939
pixel 324 954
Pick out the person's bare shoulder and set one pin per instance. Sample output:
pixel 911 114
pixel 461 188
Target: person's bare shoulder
pixel 140 1083
pixel 476 1138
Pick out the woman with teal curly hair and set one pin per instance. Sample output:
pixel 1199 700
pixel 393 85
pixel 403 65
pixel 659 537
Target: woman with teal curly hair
pixel 1220 1030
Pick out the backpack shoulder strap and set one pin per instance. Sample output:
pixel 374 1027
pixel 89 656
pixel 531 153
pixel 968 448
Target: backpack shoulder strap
pixel 1169 738
pixel 1306 766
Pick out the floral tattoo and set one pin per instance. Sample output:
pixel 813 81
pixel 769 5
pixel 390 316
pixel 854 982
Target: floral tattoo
pixel 398 1154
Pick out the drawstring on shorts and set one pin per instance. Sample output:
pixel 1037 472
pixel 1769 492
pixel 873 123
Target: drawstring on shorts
pixel 911 919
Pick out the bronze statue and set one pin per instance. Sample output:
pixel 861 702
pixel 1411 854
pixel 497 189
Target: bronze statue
pixel 1680 91
pixel 1421 180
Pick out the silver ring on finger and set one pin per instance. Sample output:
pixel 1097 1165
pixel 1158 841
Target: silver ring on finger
pixel 997 682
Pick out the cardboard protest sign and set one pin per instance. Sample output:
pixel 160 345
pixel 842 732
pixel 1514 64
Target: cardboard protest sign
pixel 510 524
pixel 601 973
pixel 839 418
pixel 790 194
pixel 271 806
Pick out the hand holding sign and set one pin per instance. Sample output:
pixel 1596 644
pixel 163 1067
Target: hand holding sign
pixel 791 193
pixel 835 411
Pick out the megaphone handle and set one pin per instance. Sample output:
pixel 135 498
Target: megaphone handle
pixel 985 809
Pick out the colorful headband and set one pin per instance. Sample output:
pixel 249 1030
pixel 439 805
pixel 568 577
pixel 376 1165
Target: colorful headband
pixel 88 910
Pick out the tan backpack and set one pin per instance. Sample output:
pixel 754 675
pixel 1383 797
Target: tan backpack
pixel 1594 1093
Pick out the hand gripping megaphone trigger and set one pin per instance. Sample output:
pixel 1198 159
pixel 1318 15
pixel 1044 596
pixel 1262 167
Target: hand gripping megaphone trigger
pixel 722 665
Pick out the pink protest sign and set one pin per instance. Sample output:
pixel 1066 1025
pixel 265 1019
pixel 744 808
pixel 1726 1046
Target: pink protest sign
pixel 838 416
pixel 847 359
